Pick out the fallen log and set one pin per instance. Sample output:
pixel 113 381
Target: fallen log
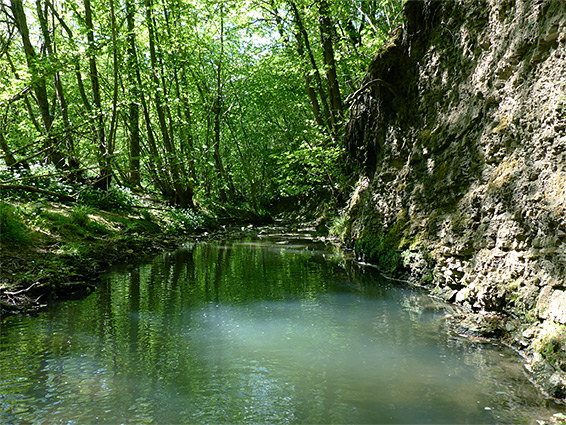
pixel 26 188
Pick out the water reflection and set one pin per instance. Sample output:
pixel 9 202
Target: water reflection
pixel 254 332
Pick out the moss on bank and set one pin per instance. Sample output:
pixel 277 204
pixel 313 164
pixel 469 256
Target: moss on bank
pixel 384 246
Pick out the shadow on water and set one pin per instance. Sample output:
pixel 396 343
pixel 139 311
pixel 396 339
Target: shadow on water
pixel 255 331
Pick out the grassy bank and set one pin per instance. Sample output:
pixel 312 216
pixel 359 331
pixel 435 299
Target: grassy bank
pixel 51 251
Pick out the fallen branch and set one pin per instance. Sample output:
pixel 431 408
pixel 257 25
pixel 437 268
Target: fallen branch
pixel 25 188
pixel 8 306
pixel 21 290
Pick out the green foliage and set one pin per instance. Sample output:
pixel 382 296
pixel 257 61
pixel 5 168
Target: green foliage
pixel 79 215
pixel 139 226
pixel 70 222
pixel 429 278
pixel 308 169
pixel 74 249
pixel 180 221
pixel 381 251
pixel 12 226
pixel 38 176
pixel 117 198
pixel 339 226
pixel 225 101
pixel 384 248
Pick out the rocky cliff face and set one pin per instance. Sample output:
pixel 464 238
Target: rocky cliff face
pixel 460 130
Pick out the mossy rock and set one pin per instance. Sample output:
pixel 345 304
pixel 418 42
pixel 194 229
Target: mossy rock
pixel 552 346
pixel 378 251
pixel 385 246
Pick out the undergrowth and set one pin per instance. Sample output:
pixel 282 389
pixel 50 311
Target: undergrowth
pixel 12 226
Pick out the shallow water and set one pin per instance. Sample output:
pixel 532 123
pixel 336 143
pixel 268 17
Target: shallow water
pixel 255 332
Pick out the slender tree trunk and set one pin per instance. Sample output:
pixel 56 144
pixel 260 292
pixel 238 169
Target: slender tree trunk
pixel 105 171
pixel 38 84
pixel 246 165
pixel 133 108
pixel 183 194
pixel 315 105
pixel 279 22
pixel 111 143
pixel 185 129
pixel 27 103
pixel 8 156
pixel 155 78
pixel 76 59
pixel 326 35
pixel 217 110
pixel 314 67
pixel 155 163
pixel 187 139
pixel 73 161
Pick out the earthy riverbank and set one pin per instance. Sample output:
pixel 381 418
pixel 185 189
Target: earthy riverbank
pixel 52 251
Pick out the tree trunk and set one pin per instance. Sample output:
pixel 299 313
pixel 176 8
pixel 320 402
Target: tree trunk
pixel 111 143
pixel 38 84
pixel 326 35
pixel 76 61
pixel 187 139
pixel 246 165
pixel 105 171
pixel 155 163
pixel 315 105
pixel 217 111
pixel 185 129
pixel 73 161
pixel 183 194
pixel 133 108
pixel 307 51
pixel 8 156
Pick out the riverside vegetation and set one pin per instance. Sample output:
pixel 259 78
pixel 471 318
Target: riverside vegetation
pixel 125 125
pixel 441 159
pixel 52 250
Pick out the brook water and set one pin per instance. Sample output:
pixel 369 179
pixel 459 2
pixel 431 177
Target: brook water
pixel 255 331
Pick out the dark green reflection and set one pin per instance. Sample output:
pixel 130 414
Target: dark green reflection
pixel 254 332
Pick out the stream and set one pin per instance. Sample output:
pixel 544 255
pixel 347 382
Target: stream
pixel 269 329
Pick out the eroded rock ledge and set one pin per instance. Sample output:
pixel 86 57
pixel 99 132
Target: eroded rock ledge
pixel 460 130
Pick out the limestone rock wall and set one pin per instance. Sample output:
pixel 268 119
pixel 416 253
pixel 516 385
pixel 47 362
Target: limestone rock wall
pixel 460 130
